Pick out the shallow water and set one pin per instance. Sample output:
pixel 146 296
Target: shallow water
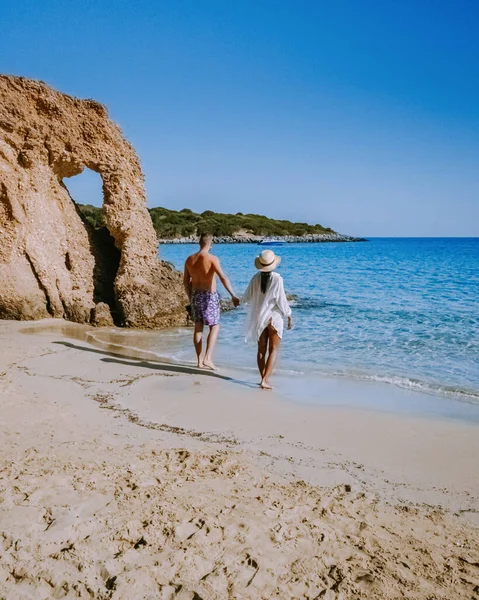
pixel 399 311
pixel 150 349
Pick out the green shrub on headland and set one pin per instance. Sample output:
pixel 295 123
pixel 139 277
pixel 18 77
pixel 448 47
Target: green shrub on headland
pixel 93 215
pixel 170 224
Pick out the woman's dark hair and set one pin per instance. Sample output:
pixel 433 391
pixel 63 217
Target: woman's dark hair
pixel 265 278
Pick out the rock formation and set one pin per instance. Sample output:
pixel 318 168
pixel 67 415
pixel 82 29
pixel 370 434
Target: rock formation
pixel 52 262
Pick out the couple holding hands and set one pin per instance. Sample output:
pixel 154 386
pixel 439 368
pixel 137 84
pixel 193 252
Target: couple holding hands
pixel 265 297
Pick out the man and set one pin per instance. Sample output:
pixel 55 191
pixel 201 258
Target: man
pixel 199 279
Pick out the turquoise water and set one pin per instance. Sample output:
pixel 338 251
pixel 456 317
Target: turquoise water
pixel 400 311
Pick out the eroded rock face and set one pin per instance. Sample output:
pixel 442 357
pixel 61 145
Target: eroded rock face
pixel 52 263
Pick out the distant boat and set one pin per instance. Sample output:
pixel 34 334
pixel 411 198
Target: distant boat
pixel 270 242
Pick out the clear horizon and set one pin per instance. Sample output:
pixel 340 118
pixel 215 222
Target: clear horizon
pixel 363 117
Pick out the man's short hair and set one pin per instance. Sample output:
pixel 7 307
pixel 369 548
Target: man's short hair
pixel 205 238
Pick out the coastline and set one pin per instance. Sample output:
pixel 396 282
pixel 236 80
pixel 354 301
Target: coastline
pixel 298 379
pixel 154 475
pixel 255 239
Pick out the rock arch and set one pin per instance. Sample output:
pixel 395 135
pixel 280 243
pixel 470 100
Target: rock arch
pixel 48 255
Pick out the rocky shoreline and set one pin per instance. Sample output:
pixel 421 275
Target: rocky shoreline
pixel 255 239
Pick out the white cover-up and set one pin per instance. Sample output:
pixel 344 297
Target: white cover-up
pixel 271 306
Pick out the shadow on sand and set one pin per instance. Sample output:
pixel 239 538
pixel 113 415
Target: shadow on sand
pixel 133 361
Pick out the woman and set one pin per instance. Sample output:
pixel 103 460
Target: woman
pixel 268 308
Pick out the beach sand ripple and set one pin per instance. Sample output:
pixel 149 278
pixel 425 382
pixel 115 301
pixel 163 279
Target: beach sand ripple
pixel 211 525
pixel 120 481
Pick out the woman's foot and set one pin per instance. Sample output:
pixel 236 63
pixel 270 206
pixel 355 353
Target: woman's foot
pixel 208 364
pixel 265 385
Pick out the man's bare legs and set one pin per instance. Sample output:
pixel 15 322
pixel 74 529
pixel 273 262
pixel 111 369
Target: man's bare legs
pixel 210 346
pixel 274 344
pixel 198 342
pixel 262 351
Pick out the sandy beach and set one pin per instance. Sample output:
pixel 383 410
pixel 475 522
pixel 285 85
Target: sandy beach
pixel 127 478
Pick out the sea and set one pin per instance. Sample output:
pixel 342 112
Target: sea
pixel 396 312
pixel 403 311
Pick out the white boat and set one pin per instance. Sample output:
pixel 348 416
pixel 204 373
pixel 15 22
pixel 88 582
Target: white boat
pixel 270 242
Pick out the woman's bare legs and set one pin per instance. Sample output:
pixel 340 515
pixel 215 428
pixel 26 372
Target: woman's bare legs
pixel 262 351
pixel 274 344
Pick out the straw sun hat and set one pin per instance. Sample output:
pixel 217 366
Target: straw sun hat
pixel 267 261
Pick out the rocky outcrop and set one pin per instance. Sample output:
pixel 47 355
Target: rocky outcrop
pixel 287 239
pixel 52 263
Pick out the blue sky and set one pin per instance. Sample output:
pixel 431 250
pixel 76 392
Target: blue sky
pixel 362 115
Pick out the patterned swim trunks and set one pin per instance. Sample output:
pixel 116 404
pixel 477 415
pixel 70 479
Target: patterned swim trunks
pixel 205 307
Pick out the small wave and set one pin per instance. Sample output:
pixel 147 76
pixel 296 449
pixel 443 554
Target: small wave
pixel 432 389
pixel 463 394
pixel 290 372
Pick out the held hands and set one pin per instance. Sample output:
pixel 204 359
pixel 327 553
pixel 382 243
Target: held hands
pixel 236 301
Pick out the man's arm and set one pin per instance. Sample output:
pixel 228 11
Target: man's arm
pixel 187 281
pixel 225 281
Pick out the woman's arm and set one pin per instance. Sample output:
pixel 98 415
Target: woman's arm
pixel 282 301
pixel 246 297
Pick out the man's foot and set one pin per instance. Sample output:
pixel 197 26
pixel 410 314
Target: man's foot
pixel 265 385
pixel 208 364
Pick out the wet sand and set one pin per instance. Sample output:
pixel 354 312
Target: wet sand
pixel 125 477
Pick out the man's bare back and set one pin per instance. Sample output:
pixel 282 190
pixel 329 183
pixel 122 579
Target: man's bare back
pixel 202 269
pixel 199 280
